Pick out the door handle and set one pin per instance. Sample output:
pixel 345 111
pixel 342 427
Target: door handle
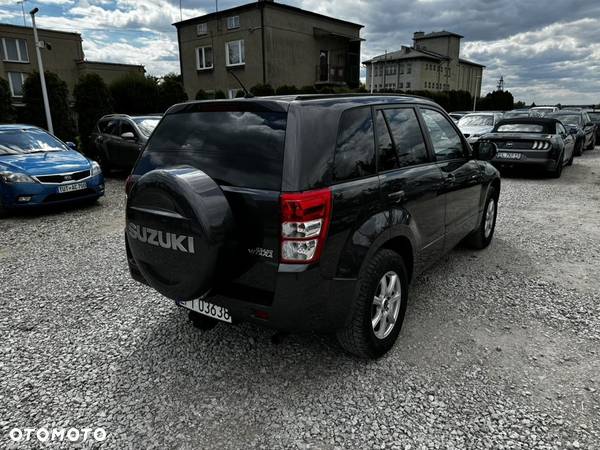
pixel 397 197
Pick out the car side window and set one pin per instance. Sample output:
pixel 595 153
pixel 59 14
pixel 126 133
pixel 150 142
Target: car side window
pixel 446 142
pixel 355 149
pixel 400 140
pixel 102 125
pixel 560 129
pixel 112 127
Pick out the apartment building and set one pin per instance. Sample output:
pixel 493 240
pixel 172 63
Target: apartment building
pixel 62 54
pixel 265 42
pixel 432 63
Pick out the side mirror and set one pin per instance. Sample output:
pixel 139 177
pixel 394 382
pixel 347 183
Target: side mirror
pixel 573 130
pixel 485 151
pixel 71 145
pixel 128 136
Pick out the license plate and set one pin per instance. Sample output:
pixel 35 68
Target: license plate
pixel 508 155
pixel 208 309
pixel 72 187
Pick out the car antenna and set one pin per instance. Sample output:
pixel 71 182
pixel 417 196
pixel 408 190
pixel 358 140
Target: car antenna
pixel 248 94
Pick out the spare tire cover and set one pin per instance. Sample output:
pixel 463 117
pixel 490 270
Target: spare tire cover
pixel 178 221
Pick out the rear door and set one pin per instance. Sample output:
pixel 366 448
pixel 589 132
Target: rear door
pixel 411 182
pixel 110 138
pixel 129 148
pixel 462 177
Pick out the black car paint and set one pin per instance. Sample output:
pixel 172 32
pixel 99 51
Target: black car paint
pixel 432 207
pixel 583 128
pixel 561 145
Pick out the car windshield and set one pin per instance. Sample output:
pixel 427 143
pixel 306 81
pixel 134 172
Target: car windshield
pixel 146 124
pixel 477 121
pixel 25 141
pixel 516 114
pixel 520 128
pixel 569 119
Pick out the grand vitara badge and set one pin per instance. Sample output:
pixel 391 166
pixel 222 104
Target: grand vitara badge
pixel 158 238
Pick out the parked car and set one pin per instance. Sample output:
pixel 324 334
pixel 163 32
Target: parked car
pixel 119 139
pixel 579 124
pixel 474 125
pixel 517 113
pixel 594 116
pixel 545 110
pixel 38 169
pixel 457 115
pixel 532 142
pixel 305 213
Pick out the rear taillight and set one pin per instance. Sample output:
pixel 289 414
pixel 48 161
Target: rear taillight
pixel 541 145
pixel 131 179
pixel 305 220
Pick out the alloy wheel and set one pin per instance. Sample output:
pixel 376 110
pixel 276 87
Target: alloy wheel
pixel 386 305
pixel 490 215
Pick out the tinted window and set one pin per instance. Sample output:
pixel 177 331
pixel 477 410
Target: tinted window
pixel 110 126
pixel 571 119
pixel 594 116
pixel 560 129
pixel 444 138
pixel 146 124
pixel 14 142
pixel 520 128
pixel 479 120
pixel 237 148
pixel 355 150
pixel 406 146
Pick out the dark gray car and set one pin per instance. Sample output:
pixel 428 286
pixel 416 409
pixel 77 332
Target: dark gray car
pixel 579 124
pixel 119 139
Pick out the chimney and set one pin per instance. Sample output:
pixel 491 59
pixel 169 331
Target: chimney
pixel 416 36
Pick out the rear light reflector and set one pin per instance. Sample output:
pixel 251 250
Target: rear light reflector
pixel 305 218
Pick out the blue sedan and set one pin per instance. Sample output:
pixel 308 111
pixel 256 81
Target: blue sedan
pixel 38 169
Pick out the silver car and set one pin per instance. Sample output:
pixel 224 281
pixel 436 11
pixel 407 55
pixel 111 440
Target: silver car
pixel 474 125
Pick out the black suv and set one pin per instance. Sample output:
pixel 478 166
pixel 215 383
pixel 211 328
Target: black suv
pixel 119 139
pixel 305 213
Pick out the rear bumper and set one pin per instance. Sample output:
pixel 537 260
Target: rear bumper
pixel 303 301
pixel 14 195
pixel 541 160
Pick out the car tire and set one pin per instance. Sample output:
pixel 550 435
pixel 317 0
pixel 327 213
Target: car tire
pixel 201 321
pixel 579 148
pixel 570 161
pixel 104 164
pixel 592 144
pixel 482 236
pixel 557 172
pixel 382 292
pixel 3 210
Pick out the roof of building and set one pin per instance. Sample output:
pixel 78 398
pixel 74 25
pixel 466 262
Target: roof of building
pixel 437 34
pixel 407 53
pixel 466 61
pixel 260 4
pixel 86 61
pixel 39 29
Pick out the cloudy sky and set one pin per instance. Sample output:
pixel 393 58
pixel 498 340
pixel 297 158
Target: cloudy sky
pixel 548 51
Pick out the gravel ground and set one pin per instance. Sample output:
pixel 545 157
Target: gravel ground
pixel 500 348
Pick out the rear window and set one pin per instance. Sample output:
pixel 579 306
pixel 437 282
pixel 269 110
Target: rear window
pixel 520 128
pixel 236 148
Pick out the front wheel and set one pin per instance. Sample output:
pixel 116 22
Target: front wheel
pixel 379 307
pixel 579 148
pixel 481 237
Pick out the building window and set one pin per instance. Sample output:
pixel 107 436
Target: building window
pixel 401 85
pixel 202 29
pixel 408 68
pixel 408 85
pixel 204 58
pixel 14 50
pixel 234 52
pixel 16 80
pixel 233 22
pixel 401 69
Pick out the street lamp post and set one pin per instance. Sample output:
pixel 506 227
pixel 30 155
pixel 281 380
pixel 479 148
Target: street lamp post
pixel 475 93
pixel 33 12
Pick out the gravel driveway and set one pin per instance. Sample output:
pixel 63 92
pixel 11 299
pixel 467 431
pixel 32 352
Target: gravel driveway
pixel 500 348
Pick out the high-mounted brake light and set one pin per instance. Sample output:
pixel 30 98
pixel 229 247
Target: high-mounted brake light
pixel 305 218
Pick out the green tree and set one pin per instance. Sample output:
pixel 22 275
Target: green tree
pixel 262 90
pixel 170 92
pixel 220 95
pixel 58 98
pixel 496 101
pixel 92 101
pixel 7 113
pixel 202 95
pixel 134 93
pixel 286 90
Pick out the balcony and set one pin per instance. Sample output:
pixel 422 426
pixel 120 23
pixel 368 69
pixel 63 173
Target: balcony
pixel 327 74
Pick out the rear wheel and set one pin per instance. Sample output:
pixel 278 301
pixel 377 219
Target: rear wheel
pixel 570 161
pixel 557 172
pixel 592 143
pixel 579 148
pixel 482 236
pixel 379 307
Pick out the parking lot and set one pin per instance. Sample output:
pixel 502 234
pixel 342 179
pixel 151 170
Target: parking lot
pixel 499 349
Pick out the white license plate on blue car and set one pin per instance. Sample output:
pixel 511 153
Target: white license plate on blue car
pixel 72 187
pixel 208 309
